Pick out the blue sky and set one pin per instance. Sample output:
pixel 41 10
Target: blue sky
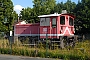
pixel 19 4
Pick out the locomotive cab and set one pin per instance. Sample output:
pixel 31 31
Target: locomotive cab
pixel 48 25
pixel 56 25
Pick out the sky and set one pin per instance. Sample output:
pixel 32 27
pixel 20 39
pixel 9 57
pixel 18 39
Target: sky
pixel 19 4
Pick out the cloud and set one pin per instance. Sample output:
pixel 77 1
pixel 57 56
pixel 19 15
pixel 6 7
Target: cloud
pixel 18 8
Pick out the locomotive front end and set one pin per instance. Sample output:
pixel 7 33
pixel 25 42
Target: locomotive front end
pixel 66 25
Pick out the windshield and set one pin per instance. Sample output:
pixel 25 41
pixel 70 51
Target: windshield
pixel 70 21
pixel 62 20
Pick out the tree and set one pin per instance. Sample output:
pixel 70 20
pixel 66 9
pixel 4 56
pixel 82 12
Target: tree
pixel 69 6
pixel 42 7
pixel 59 7
pixel 6 17
pixel 82 16
pixel 15 16
pixel 27 14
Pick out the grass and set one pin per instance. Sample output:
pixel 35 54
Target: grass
pixel 80 52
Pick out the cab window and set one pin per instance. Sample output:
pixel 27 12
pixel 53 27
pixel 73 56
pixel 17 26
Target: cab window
pixel 45 21
pixel 62 20
pixel 70 21
pixel 53 22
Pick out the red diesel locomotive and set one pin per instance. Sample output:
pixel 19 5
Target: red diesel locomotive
pixel 55 26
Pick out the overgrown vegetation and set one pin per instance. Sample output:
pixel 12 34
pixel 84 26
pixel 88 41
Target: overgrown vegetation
pixel 80 52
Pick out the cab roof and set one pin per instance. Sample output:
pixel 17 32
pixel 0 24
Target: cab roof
pixel 56 14
pixel 50 15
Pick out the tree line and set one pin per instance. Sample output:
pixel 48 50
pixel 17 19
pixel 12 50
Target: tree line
pixel 81 10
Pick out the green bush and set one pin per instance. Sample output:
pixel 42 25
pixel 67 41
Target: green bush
pixel 31 53
pixel 41 54
pixel 4 51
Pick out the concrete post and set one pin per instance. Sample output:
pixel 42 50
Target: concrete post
pixel 16 40
pixel 61 42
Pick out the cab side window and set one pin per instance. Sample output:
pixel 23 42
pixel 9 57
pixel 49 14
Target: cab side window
pixel 45 21
pixel 62 20
pixel 53 22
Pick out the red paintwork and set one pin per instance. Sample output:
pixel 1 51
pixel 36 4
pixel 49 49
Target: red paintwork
pixel 52 31
pixel 27 29
pixel 36 29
